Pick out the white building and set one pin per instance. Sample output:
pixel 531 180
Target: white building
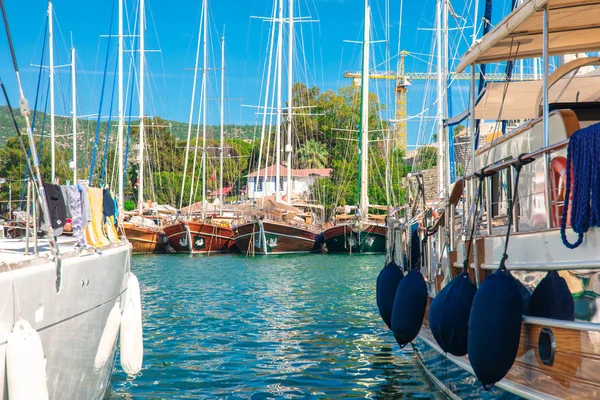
pixel 302 179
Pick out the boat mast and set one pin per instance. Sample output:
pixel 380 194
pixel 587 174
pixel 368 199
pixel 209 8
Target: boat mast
pixel 74 111
pixel 278 127
pixel 288 147
pixel 205 61
pixel 363 153
pixel 120 112
pixel 51 69
pixel 222 122
pixel 141 101
pixel 441 82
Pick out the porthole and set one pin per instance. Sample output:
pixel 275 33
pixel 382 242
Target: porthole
pixel 546 346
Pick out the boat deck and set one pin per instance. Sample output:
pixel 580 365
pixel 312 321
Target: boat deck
pixel 13 251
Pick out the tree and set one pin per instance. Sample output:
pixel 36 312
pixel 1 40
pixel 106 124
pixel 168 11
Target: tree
pixel 313 155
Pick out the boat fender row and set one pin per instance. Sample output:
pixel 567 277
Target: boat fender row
pixel 25 364
pixel 409 307
pixel 495 326
pixel 387 284
pixel 131 343
pixel 449 314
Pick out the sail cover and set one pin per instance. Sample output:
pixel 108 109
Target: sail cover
pixel 573 27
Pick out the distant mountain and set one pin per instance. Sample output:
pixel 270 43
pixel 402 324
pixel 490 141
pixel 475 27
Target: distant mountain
pixel 63 126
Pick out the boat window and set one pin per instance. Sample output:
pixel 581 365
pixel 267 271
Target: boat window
pixel 501 189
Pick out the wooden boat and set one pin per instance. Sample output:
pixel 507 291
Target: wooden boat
pixel 145 239
pixel 365 238
pixel 200 237
pixel 269 237
pixel 558 356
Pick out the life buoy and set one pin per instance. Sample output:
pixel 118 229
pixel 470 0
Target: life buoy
pixel 558 177
pixel 109 336
pixel 131 344
pixel 25 364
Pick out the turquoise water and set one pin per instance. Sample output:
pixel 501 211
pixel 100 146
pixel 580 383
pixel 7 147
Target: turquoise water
pixel 266 327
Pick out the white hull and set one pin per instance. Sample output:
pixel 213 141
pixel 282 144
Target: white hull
pixel 70 323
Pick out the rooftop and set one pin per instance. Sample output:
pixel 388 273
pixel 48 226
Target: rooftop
pixel 272 171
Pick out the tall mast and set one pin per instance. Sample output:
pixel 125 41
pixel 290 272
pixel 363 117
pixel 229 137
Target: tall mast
pixel 51 69
pixel 288 147
pixel 222 123
pixel 278 127
pixel 364 120
pixel 204 67
pixel 141 100
pixel 74 112
pixel 120 112
pixel 440 96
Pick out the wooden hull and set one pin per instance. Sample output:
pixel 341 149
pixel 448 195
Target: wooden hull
pixel 205 237
pixel 572 375
pixel 343 239
pixel 278 239
pixel 145 240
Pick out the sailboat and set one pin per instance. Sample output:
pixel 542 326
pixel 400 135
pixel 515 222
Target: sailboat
pixel 63 298
pixel 145 235
pixel 290 233
pixel 199 234
pixel 362 235
pixel 527 248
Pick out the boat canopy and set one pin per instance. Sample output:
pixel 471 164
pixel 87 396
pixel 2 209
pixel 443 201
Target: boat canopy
pixel 521 100
pixel 573 27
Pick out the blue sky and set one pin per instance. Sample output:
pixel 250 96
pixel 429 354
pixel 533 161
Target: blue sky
pixel 172 27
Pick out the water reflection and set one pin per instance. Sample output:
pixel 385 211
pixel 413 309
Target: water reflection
pixel 272 327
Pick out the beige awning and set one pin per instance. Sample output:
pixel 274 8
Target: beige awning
pixel 518 100
pixel 573 28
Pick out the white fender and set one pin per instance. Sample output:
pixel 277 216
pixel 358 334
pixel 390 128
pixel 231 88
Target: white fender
pixel 25 364
pixel 132 345
pixel 109 336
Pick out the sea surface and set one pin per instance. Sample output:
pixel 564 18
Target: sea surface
pixel 267 327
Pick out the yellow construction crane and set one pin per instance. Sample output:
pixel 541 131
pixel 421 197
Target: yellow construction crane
pixel 403 81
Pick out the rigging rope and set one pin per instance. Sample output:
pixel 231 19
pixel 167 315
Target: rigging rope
pixel 102 94
pixel 128 130
pixel 35 104
pixel 487 18
pixel 481 175
pixel 110 108
pixel 514 198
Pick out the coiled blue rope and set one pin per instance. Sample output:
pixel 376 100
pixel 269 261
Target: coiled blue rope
pixel 582 162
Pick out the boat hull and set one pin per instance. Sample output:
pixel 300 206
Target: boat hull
pixel 344 238
pixel 205 237
pixel 279 239
pixel 145 240
pixel 70 323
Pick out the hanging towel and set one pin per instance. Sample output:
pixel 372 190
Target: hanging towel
pixel 66 192
pixel 108 204
pixel 56 206
pixel 75 205
pixel 86 213
pixel 97 225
